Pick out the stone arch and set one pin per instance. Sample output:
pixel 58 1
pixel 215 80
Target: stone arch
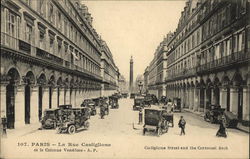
pixel 29 78
pixel 202 83
pixel 42 79
pixel 51 80
pixel 225 81
pixel 237 79
pixel 13 75
pixel 59 81
pixel 209 83
pixel 192 84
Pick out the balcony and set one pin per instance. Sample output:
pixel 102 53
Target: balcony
pixel 36 54
pixel 14 43
pixel 227 61
pixel 47 56
pixel 181 75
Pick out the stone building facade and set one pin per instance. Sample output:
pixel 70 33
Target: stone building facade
pixel 50 55
pixel 109 72
pixel 155 73
pixel 123 84
pixel 209 55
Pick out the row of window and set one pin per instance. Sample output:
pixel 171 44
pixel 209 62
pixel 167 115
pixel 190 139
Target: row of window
pixel 11 25
pixel 216 23
pixel 224 48
pixel 221 19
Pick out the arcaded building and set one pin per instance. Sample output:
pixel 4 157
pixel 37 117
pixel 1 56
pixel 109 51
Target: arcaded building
pixel 209 55
pixel 155 74
pixel 50 55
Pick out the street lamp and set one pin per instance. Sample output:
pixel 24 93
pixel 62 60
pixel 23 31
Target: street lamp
pixel 140 87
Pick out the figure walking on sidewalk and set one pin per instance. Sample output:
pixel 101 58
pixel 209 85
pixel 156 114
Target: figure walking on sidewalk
pixel 182 124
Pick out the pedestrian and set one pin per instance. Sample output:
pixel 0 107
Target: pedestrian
pixel 222 129
pixel 140 116
pixel 182 124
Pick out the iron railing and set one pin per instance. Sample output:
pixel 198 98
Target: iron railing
pixel 225 61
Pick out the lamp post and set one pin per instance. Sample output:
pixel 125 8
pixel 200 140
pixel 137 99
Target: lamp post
pixel 140 87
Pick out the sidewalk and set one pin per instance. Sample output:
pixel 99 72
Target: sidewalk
pixel 24 130
pixel 201 114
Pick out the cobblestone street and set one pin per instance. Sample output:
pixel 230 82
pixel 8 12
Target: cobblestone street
pixel 117 129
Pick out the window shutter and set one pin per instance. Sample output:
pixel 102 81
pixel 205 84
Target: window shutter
pixel 7 20
pixel 243 41
pixel 18 27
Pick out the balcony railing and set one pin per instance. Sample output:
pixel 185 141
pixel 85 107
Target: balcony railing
pixel 26 48
pixel 14 43
pixel 47 56
pixel 183 74
pixel 224 61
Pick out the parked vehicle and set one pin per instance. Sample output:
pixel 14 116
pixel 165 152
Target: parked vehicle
pixel 124 95
pixel 214 113
pixel 148 100
pixel 50 119
pixel 132 95
pixel 163 100
pixel 177 104
pixel 65 106
pixel 91 105
pixel 154 99
pixel 231 119
pixel 114 102
pixel 75 119
pixel 138 103
pixel 97 101
pixel 102 112
pixel 155 121
pixel 85 102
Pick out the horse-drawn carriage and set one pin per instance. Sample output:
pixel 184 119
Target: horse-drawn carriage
pixel 155 120
pixel 113 101
pixel 138 103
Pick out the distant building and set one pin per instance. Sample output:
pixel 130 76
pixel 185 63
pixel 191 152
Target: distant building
pixel 109 72
pixel 123 84
pixel 155 73
pixel 139 81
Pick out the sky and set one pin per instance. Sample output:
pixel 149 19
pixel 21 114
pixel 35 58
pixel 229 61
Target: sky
pixel 134 28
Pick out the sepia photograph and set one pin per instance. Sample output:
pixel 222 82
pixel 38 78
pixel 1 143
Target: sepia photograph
pixel 116 79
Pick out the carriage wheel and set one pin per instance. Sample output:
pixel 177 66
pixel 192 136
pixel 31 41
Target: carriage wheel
pixel 86 125
pixel 144 131
pixel 71 129
pixel 58 130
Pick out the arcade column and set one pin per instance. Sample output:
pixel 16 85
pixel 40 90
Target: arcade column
pixel 196 98
pixel 67 95
pixel 19 106
pixel 234 100
pixel 246 102
pixel 34 104
pixel 223 97
pixel 45 97
pixel 3 98
pixel 54 97
pixel 61 97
